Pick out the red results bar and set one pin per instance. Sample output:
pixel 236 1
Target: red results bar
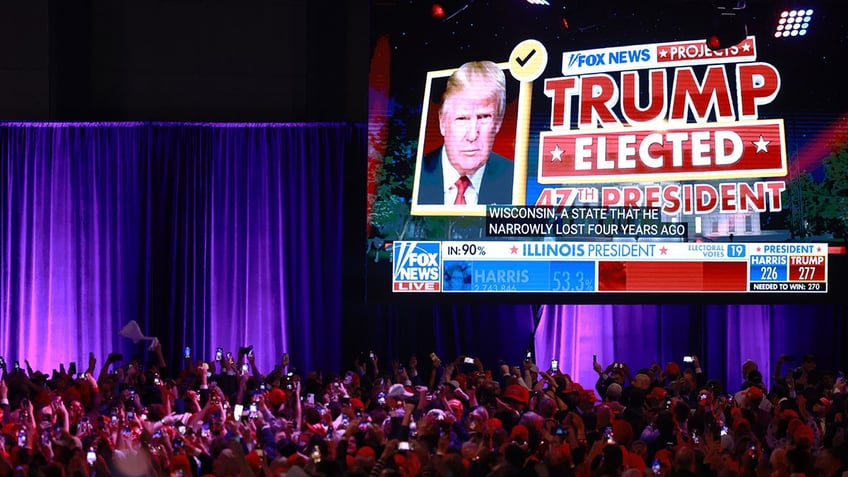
pixel 697 151
pixel 807 268
pixel 672 276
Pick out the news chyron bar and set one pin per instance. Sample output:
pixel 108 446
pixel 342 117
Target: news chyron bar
pixel 540 266
pixel 648 167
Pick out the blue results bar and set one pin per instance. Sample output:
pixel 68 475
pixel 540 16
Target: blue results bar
pixel 503 275
pixel 768 273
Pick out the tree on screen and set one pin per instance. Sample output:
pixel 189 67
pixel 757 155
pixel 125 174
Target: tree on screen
pixel 836 185
pixel 393 176
pixel 821 208
pixel 804 198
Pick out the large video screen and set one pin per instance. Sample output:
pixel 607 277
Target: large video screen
pixel 588 151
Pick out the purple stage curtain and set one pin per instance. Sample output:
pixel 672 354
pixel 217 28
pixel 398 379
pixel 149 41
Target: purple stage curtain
pixel 74 239
pixel 205 234
pixel 723 336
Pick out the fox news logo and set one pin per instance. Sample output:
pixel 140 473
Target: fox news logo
pixel 606 59
pixel 417 266
pixel 621 57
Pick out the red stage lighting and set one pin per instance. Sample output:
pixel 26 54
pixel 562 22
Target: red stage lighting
pixel 714 42
pixel 438 11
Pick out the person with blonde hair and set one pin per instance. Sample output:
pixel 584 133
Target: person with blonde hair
pixel 465 171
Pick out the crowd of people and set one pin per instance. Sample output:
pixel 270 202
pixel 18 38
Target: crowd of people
pixel 225 418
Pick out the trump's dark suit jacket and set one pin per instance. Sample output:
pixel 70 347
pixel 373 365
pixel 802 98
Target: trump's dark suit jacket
pixel 495 188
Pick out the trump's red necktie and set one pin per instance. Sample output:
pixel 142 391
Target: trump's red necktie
pixel 461 185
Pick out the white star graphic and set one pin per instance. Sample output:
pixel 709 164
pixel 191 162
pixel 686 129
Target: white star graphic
pixel 762 144
pixel 746 47
pixel 557 153
pixel 663 53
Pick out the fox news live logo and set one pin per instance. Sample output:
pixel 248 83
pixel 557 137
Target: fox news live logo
pixel 417 266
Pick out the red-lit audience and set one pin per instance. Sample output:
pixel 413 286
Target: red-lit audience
pixel 227 418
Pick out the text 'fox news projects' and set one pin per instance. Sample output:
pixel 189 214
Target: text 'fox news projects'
pixel 702 128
